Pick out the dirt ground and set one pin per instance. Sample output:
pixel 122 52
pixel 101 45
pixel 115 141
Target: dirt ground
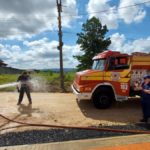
pixel 64 109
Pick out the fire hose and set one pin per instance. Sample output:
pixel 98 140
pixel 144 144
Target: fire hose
pixel 74 127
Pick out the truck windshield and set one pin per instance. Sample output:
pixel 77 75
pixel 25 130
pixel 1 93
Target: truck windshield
pixel 98 64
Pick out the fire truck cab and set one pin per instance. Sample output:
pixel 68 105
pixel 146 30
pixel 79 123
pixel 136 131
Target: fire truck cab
pixel 111 77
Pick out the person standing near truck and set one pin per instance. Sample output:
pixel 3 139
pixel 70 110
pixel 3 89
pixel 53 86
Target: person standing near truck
pixel 145 99
pixel 24 87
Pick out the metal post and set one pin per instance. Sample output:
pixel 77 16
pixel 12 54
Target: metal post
pixel 59 7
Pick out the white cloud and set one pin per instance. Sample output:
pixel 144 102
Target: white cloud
pixel 24 18
pixel 140 16
pixel 1 47
pixel 111 15
pixel 38 54
pixel 120 43
pixel 117 41
pixel 131 14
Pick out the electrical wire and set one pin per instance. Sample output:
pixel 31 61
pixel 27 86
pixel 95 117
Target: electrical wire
pixel 107 10
pixel 83 14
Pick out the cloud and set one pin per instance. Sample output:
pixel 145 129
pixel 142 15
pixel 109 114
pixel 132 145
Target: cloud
pixel 38 54
pixel 43 54
pixel 131 14
pixel 117 41
pixel 120 43
pixel 111 15
pixel 24 18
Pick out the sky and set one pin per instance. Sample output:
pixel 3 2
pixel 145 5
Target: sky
pixel 29 29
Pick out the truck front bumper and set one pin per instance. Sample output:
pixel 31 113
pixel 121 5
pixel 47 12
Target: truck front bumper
pixel 79 95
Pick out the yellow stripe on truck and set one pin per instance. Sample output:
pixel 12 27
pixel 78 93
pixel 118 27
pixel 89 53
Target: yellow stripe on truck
pixel 123 74
pixel 141 63
pixel 92 78
pixel 141 58
pixel 96 74
pixel 124 80
pixel 86 78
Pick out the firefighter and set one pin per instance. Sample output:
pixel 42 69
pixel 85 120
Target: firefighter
pixel 145 99
pixel 24 87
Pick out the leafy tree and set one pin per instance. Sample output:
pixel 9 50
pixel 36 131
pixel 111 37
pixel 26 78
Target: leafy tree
pixel 92 41
pixel 2 64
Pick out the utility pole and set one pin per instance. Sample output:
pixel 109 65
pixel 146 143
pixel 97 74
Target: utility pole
pixel 59 8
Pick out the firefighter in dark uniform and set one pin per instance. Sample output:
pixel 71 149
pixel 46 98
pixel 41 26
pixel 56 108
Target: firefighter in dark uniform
pixel 145 99
pixel 24 87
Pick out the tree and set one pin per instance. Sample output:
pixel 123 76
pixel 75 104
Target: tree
pixel 92 41
pixel 2 64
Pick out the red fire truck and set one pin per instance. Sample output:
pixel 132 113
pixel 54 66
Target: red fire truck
pixel 111 78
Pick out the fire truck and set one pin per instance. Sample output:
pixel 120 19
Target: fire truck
pixel 111 78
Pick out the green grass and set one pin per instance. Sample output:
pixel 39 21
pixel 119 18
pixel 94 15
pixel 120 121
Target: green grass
pixel 51 78
pixel 8 78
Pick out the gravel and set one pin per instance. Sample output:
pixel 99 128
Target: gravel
pixel 58 135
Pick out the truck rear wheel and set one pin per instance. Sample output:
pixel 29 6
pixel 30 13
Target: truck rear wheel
pixel 103 98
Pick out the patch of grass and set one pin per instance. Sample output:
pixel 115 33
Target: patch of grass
pixel 8 78
pixel 52 79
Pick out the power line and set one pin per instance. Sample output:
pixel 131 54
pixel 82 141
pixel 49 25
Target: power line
pixel 83 14
pixel 107 10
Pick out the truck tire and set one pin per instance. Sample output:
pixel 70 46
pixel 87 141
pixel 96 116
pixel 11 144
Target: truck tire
pixel 103 98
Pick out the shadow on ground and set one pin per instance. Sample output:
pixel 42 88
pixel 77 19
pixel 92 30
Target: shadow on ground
pixel 27 109
pixel 127 111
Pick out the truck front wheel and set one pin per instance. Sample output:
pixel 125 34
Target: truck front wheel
pixel 102 99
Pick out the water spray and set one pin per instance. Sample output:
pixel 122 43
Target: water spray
pixel 38 84
pixel 9 85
